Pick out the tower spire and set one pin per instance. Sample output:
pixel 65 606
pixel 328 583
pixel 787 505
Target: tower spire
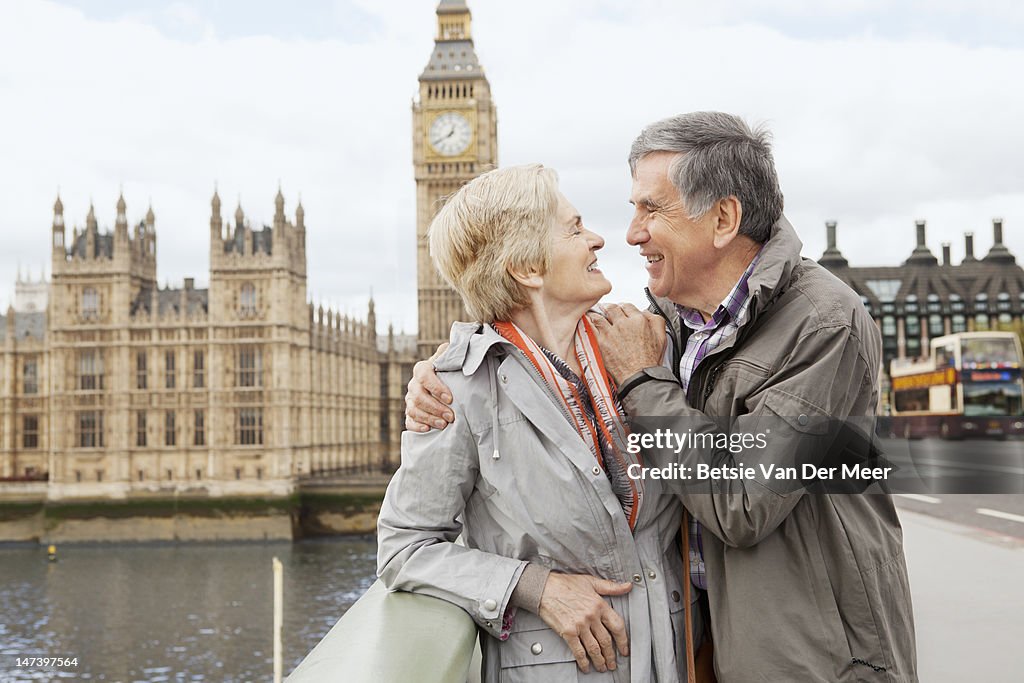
pixel 58 212
pixel 121 224
pixel 57 228
pixel 279 207
pixel 90 219
pixel 453 56
pixel 371 318
pixel 216 222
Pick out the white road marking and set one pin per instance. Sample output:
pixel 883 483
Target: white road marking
pixel 1000 515
pixel 920 498
pixel 956 465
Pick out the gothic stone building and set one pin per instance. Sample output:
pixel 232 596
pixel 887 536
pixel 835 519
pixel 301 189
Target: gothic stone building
pixel 926 298
pixel 121 387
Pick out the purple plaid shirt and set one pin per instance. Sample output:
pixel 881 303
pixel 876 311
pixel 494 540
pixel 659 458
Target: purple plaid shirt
pixel 705 338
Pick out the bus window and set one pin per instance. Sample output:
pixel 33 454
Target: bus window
pixel 911 400
pixel 992 398
pixel 944 356
pixel 983 353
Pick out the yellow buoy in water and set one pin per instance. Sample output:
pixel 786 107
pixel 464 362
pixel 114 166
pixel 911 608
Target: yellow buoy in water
pixel 51 553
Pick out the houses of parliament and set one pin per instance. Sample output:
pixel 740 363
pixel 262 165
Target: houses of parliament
pixel 111 386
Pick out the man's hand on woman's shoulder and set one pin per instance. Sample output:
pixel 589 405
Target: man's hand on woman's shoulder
pixel 428 400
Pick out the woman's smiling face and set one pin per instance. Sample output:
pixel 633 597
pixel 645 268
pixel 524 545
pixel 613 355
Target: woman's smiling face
pixel 573 279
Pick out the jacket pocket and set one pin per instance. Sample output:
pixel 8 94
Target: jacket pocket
pixel 800 434
pixel 534 653
pixel 799 414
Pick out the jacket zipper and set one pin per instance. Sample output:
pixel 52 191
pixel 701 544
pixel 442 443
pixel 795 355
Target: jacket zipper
pixel 677 343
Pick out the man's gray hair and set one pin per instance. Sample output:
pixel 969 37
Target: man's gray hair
pixel 719 156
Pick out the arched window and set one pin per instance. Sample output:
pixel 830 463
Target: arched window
pixel 247 300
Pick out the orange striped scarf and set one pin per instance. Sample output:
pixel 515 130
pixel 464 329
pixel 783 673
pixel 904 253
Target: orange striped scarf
pixel 606 436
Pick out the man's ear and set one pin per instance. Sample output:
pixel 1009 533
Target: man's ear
pixel 529 278
pixel 727 214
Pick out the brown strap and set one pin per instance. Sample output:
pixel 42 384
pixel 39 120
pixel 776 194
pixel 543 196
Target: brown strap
pixel 691 675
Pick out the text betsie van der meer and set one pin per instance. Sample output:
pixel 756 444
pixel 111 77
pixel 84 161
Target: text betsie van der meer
pixel 665 439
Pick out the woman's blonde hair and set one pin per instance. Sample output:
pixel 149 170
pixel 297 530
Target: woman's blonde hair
pixel 497 222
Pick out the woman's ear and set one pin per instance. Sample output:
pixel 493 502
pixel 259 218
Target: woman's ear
pixel 530 278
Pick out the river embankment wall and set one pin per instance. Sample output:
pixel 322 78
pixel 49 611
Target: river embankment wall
pixel 323 510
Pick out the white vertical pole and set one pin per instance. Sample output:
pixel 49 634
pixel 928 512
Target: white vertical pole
pixel 278 610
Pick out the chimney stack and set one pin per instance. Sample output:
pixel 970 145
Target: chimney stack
pixel 832 258
pixel 969 246
pixel 946 260
pixel 999 253
pixel 190 283
pixel 921 256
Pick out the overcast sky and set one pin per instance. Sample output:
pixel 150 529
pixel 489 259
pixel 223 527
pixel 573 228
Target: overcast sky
pixel 883 113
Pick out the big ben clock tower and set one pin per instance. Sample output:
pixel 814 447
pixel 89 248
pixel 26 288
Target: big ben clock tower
pixel 455 139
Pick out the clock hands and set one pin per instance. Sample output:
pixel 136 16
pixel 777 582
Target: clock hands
pixel 438 141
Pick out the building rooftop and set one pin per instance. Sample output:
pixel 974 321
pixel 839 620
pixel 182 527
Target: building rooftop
pixel 103 245
pixel 261 241
pixel 169 301
pixel 452 59
pixel 32 325
pixel 993 284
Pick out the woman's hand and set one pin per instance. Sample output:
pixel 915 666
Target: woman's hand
pixel 572 606
pixel 426 403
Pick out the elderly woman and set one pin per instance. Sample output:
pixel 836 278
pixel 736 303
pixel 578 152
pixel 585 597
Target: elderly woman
pixel 566 559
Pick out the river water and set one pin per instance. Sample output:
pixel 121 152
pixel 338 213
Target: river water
pixel 153 613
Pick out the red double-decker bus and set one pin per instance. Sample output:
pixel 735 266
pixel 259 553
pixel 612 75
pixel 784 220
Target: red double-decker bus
pixel 969 386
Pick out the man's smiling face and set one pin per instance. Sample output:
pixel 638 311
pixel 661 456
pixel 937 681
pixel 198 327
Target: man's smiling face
pixel 679 251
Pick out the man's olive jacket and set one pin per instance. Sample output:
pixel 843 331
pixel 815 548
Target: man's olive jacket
pixel 802 586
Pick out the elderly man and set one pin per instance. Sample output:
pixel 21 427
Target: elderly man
pixel 800 586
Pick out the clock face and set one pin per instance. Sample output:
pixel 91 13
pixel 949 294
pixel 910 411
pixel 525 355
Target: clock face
pixel 450 134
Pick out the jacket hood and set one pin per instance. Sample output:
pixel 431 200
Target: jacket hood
pixel 779 258
pixel 468 347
